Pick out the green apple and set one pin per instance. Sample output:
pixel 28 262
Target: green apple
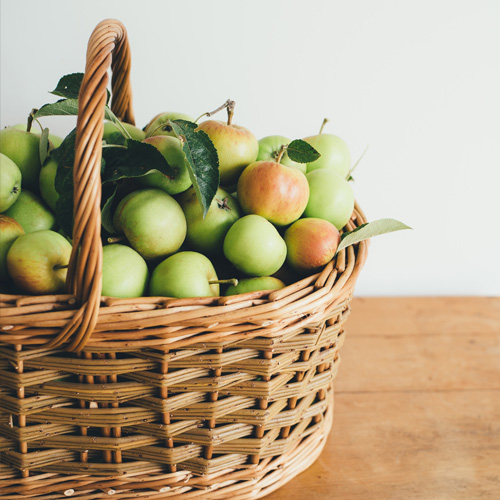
pixel 47 183
pixel 171 149
pixel 206 234
pixel 37 262
pixel 23 148
pixel 31 212
pixel 236 147
pixel 255 285
pixel 110 129
pixel 10 230
pixel 158 125
pixel 269 149
pixel 152 221
pixel 254 246
pixel 124 272
pixel 335 154
pixel 184 274
pixel 276 192
pixel 10 182
pixel 311 243
pixel 331 197
pixel 54 140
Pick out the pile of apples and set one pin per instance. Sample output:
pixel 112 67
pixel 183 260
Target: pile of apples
pixel 271 222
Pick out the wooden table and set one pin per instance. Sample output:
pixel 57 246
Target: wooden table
pixel 417 405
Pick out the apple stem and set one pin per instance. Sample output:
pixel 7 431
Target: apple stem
pixel 325 121
pixel 281 152
pixel 232 281
pixel 227 105
pixel 115 239
pixel 60 266
pixel 30 119
pixel 230 111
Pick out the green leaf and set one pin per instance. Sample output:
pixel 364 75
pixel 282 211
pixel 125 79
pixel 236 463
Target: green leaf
pixel 64 155
pixel 43 146
pixel 69 86
pixel 108 209
pixel 301 152
pixel 203 162
pixel 66 107
pixel 135 159
pixel 370 229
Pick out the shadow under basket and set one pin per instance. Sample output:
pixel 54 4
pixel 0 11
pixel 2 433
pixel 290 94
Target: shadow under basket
pixel 154 397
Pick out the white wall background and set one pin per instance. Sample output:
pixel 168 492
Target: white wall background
pixel 417 81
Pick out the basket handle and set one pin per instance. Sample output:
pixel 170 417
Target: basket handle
pixel 108 47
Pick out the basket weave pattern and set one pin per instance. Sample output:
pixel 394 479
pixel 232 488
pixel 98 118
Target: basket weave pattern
pixel 155 397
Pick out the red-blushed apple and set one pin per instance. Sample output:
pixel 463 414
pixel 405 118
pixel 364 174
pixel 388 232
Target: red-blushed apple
pixel 206 234
pixel 254 246
pixel 331 197
pixel 273 191
pixel 270 149
pixel 10 182
pixel 152 221
pixel 31 212
pixel 10 230
pixel 171 149
pixel 255 285
pixel 124 272
pixel 236 147
pixel 159 126
pixel 37 262
pixel 311 243
pixel 184 274
pixel 23 148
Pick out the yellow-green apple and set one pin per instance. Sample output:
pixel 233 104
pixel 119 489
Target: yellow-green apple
pixel 236 147
pixel 335 154
pixel 110 129
pixel 10 182
pixel 37 262
pixel 184 274
pixel 31 212
pixel 23 148
pixel 206 234
pixel 311 243
pixel 124 272
pixel 270 149
pixel 331 197
pixel 10 230
pixel 276 192
pixel 152 221
pixel 254 246
pixel 171 149
pixel 255 285
pixel 159 126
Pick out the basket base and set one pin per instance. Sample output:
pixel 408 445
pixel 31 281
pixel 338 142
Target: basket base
pixel 243 484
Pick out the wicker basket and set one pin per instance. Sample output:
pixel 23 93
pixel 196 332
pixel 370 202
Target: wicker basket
pixel 154 397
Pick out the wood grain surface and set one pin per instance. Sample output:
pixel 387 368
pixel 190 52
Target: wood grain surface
pixel 417 405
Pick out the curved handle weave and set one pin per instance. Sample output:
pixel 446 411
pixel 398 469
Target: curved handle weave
pixel 108 47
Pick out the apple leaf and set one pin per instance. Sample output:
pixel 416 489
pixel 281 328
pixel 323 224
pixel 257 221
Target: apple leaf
pixel 108 208
pixel 370 229
pixel 43 146
pixel 67 107
pixel 135 159
pixel 69 86
pixel 203 161
pixel 64 155
pixel 301 152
